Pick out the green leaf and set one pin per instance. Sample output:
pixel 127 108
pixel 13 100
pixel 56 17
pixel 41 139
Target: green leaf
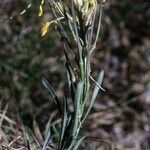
pixel 78 143
pixel 113 147
pixel 77 111
pixel 29 135
pixel 98 29
pixel 52 93
pixel 26 136
pixel 96 90
pixel 71 80
pixel 64 123
pixel 110 147
pixel 47 140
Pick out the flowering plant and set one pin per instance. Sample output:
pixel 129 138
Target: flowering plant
pixel 79 17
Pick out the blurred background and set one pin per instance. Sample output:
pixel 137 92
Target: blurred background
pixel 121 114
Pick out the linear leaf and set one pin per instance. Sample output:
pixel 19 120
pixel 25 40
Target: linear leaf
pixel 98 29
pixel 31 135
pixel 78 94
pixel 96 90
pixel 113 147
pixel 71 80
pixel 47 140
pixel 26 136
pixel 64 122
pixel 78 143
pixel 52 93
pixel 110 147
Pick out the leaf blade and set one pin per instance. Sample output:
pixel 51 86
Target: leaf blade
pixel 64 123
pixel 47 140
pixel 96 90
pixel 78 95
pixel 52 93
pixel 78 143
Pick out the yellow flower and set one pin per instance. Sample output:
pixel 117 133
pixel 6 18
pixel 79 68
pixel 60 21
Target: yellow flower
pixel 41 8
pixel 44 28
pixel 45 25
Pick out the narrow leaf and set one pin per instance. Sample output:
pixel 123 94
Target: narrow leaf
pixel 52 93
pixel 71 81
pixel 78 143
pixel 96 90
pixel 113 147
pixel 78 94
pixel 70 75
pixel 26 136
pixel 98 29
pixel 64 122
pixel 47 140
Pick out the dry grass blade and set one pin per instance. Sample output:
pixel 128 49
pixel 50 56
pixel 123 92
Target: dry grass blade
pixel 37 131
pixel 4 117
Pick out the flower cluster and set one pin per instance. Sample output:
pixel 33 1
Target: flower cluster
pixel 84 9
